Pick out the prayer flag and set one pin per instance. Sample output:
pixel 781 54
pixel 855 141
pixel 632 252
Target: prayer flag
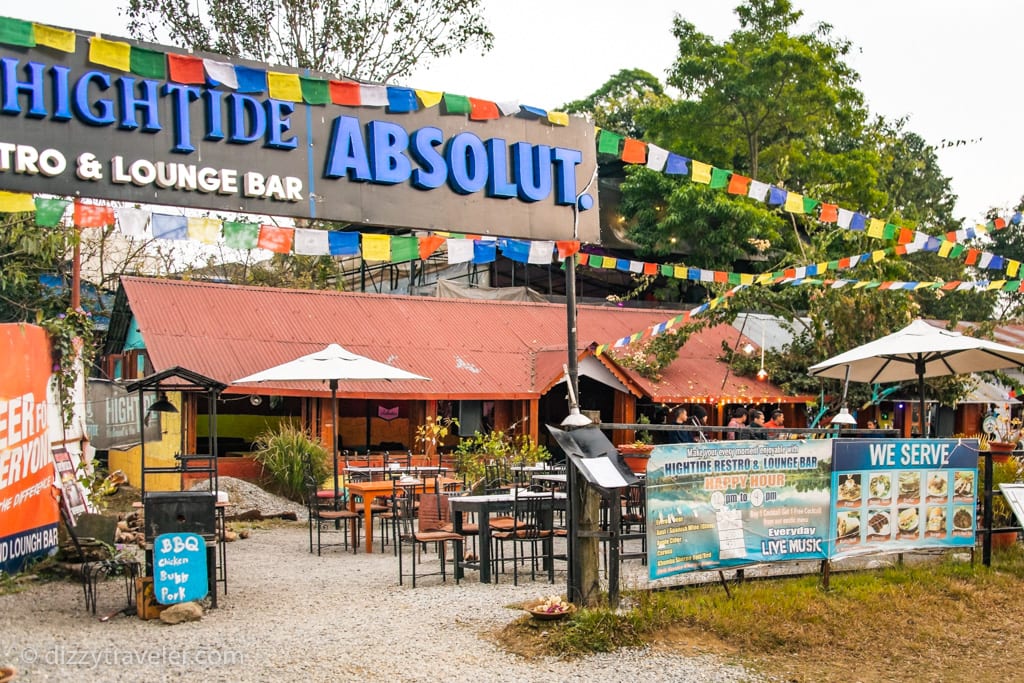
pixel 167 227
pixel 656 158
pixel 275 239
pixel 284 87
pixel 809 204
pixel 402 100
pixel 315 91
pixel 343 243
pixel 239 235
pixel 205 230
pixel 148 63
pixel 608 142
pixel 310 242
pixel 758 190
pixel 405 248
pixel 345 93
pixel 701 172
pixel 49 212
pixel 429 98
pixel 460 250
pixel 829 213
pixel 92 215
pixel 484 251
pixel 221 73
pixel 676 165
pixel 794 203
pixel 17 32
pixel 738 184
pixel 509 107
pixel 875 228
pixel 456 104
pixel 719 178
pixel 133 221
pixel 776 196
pixel 376 247
pixel 515 250
pixel 634 151
pixel 16 202
pixel 558 118
pixel 373 95
pixel 844 218
pixel 251 80
pixel 858 221
pixel 482 110
pixel 186 69
pixel 567 248
pixel 534 111
pixel 55 38
pixel 112 53
pixel 429 244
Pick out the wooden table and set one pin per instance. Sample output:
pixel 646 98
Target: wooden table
pixel 372 489
pixel 483 506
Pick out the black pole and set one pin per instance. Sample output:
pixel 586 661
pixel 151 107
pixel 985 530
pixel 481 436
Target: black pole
pixel 334 434
pixel 986 538
pixel 573 504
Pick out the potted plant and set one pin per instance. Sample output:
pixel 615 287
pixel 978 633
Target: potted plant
pixel 637 453
pixel 1002 434
pixel 474 452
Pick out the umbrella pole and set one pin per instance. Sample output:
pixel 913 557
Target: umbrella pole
pixel 920 388
pixel 334 435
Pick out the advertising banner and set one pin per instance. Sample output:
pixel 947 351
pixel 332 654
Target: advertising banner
pixel 894 495
pixel 734 503
pixel 28 508
pixel 112 416
pixel 157 126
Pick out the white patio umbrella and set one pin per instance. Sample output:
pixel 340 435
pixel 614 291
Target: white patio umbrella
pixel 333 365
pixel 917 351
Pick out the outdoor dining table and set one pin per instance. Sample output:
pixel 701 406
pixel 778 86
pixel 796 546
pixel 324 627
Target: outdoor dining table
pixel 394 468
pixel 484 506
pixel 372 489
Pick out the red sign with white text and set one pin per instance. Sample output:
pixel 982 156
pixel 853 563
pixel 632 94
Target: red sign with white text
pixel 28 509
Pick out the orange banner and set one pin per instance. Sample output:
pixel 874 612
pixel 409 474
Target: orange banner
pixel 28 509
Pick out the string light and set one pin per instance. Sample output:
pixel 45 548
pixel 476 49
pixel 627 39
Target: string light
pixel 762 374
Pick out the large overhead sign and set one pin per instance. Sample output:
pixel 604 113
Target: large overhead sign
pixel 75 125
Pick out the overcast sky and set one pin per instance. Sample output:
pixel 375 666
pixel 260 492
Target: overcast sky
pixel 950 66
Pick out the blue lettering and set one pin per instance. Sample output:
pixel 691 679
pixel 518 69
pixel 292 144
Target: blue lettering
pixel 245 109
pixel 566 161
pixel 61 94
pixel 183 95
pixel 346 154
pixel 33 87
pixel 103 115
pixel 388 141
pixel 214 104
pixel 498 184
pixel 467 163
pixel 532 168
pixel 279 124
pixel 433 172
pixel 147 103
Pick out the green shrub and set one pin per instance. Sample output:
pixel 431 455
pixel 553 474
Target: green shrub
pixel 283 451
pixel 474 452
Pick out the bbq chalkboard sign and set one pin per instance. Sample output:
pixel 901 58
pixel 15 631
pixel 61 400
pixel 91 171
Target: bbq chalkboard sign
pixel 179 568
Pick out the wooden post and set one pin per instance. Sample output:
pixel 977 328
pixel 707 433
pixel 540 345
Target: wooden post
pixel 589 544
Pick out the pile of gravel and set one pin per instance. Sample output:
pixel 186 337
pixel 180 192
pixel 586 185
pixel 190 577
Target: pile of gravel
pixel 244 496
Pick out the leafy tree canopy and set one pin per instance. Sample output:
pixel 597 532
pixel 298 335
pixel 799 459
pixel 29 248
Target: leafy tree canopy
pixel 375 40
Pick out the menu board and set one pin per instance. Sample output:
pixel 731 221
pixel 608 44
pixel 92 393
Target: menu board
pixel 893 495
pixel 734 503
pixel 179 568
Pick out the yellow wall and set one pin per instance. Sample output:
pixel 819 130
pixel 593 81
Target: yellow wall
pixel 158 454
pixel 247 427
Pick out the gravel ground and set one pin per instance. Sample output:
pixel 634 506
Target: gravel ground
pixel 292 616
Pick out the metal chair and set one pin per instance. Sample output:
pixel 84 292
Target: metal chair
pixel 326 515
pixel 528 528
pixel 420 526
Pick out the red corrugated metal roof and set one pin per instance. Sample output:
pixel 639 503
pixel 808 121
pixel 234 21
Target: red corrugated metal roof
pixel 469 349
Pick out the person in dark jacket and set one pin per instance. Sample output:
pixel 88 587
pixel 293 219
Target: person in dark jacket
pixel 756 429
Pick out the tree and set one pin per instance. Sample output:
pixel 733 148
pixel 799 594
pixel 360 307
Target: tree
pixel 375 40
pixel 28 251
pixel 620 104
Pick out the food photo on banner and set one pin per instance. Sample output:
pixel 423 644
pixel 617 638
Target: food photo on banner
pixel 732 504
pixel 896 495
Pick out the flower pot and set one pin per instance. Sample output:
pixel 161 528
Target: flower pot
pixel 1003 539
pixel 1001 450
